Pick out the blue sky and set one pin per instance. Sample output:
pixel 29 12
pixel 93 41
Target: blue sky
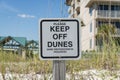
pixel 20 18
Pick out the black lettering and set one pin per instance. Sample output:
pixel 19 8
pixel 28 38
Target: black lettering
pixel 67 28
pixel 55 36
pixel 57 29
pixel 60 44
pixel 65 44
pixel 49 44
pixel 52 28
pixel 62 29
pixel 59 36
pixel 64 36
pixel 54 44
pixel 54 23
pixel 70 44
pixel 59 23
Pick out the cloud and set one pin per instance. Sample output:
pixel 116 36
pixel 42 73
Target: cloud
pixel 25 16
pixel 5 6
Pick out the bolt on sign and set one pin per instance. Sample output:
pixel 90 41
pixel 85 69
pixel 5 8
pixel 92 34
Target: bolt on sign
pixel 59 39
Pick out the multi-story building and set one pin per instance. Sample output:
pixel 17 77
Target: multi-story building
pixel 94 13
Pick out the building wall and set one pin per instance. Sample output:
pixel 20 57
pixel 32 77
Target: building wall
pixel 87 35
pixel 88 31
pixel 90 15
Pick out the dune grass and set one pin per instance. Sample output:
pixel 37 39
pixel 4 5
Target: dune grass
pixel 106 59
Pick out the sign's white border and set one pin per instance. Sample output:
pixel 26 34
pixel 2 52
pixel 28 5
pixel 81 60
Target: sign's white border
pixel 62 57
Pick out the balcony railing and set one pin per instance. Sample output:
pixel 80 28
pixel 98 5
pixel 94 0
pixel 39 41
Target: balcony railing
pixel 118 32
pixel 108 14
pixel 77 5
pixel 89 3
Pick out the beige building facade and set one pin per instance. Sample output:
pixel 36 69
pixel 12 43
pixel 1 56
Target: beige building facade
pixel 94 13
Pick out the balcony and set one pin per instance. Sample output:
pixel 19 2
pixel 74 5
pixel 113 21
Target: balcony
pixel 77 5
pixel 69 10
pixel 89 3
pixel 117 34
pixel 78 10
pixel 108 14
pixel 68 2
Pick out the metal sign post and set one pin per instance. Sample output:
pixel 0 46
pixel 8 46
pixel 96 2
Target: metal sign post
pixel 59 70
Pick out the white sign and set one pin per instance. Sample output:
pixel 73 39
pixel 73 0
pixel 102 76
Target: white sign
pixel 59 39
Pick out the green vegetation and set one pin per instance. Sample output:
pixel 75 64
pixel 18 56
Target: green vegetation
pixel 15 63
pixel 105 57
pixel 90 60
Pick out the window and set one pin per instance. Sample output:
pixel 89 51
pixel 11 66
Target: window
pixel 117 24
pixel 100 23
pixel 70 12
pixel 100 7
pixel 73 6
pixel 118 8
pixel 91 27
pixel 90 11
pixel 90 43
pixel 78 10
pixel 113 7
pixel 103 7
pixel 78 0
